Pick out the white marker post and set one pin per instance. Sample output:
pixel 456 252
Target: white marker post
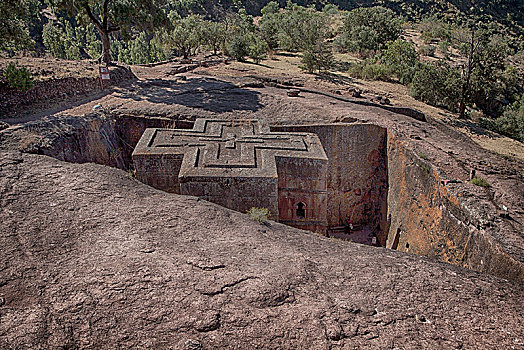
pixel 104 75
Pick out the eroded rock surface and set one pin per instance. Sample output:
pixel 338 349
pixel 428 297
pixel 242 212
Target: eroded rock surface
pixel 91 258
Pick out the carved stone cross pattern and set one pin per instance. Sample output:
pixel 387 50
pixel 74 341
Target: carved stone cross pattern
pixel 239 165
pixel 216 147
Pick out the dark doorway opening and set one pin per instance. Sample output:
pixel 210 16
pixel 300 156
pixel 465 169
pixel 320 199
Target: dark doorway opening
pixel 301 210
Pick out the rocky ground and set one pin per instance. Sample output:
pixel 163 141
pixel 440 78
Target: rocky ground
pixel 94 259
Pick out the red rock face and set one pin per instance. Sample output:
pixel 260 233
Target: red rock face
pixel 427 218
pixel 356 185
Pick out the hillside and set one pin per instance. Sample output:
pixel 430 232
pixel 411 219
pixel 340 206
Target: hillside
pixel 509 14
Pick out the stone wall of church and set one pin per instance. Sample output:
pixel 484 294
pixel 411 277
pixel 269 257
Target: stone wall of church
pixel 302 193
pixel 357 182
pixel 159 170
pixel 237 193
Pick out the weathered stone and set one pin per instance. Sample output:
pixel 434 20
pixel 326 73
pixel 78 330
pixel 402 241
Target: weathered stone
pixel 293 93
pixel 240 165
pixel 76 279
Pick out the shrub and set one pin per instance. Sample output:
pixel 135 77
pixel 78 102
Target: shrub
pixel 478 181
pixel 52 38
pixel 271 8
pixel 259 214
pixel 238 47
pixel 511 123
pixel 18 78
pixel 319 57
pixel 443 47
pixel 427 50
pixel 257 50
pixel 402 58
pixel 370 28
pixel 330 9
pixel 438 85
pixel 371 71
pixel 269 29
pixel 433 28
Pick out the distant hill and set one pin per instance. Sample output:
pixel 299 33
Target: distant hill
pixel 508 13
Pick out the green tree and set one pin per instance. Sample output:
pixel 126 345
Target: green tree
pixel 238 46
pixel 302 28
pixel 240 30
pixel 370 28
pixel 114 15
pixel 139 50
pixel 269 27
pixel 13 28
pixel 213 34
pixel 52 39
pixel 186 36
pixel 402 57
pixel 93 45
pixel 437 84
pixel 271 7
pixel 489 64
pixel 318 57
pixel 258 49
pixel 71 43
pixel 511 123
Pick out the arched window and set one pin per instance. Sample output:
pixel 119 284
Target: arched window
pixel 301 210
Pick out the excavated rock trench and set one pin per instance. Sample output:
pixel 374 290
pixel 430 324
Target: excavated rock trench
pixel 395 198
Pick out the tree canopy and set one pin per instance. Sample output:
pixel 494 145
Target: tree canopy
pixel 115 15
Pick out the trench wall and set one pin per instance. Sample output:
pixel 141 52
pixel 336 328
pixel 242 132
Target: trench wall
pixel 93 138
pixel 425 218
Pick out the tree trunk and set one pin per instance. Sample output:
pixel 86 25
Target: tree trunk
pixel 103 29
pixel 467 85
pixel 106 47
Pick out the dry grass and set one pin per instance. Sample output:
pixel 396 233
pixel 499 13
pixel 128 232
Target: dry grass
pixel 51 68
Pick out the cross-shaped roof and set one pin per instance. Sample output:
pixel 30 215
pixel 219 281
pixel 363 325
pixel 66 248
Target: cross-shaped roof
pixel 229 148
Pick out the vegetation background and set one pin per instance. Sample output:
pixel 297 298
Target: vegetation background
pixel 470 60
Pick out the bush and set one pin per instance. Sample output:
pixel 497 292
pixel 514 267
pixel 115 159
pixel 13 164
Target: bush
pixel 478 181
pixel 443 47
pixel 438 85
pixel 52 40
pixel 371 71
pixel 330 9
pixel 269 29
pixel 433 28
pixel 259 214
pixel 319 57
pixel 238 47
pixel 370 28
pixel 271 8
pixel 257 50
pixel 18 78
pixel 427 50
pixel 511 123
pixel 402 59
